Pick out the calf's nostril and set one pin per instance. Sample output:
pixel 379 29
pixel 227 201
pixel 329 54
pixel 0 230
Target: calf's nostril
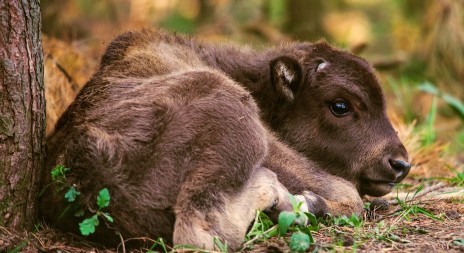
pixel 400 165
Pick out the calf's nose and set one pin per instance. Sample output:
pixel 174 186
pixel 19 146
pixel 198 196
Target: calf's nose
pixel 401 167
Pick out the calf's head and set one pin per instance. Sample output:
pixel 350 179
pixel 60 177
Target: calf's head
pixel 332 109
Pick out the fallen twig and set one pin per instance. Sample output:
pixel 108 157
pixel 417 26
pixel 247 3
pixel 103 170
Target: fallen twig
pixel 420 194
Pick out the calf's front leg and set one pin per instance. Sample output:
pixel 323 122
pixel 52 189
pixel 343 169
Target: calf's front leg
pixel 324 193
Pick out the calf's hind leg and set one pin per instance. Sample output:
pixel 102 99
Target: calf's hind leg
pixel 223 183
pixel 231 217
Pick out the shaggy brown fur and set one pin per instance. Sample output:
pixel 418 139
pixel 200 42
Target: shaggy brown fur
pixel 192 138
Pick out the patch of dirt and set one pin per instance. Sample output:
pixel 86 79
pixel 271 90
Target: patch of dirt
pixel 45 240
pixel 419 233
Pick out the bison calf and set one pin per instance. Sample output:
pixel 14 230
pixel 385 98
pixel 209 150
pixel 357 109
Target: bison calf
pixel 192 138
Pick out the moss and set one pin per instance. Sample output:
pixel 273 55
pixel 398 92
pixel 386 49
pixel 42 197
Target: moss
pixel 6 125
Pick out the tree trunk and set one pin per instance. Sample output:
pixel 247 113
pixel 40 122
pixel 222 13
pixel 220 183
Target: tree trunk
pixel 22 112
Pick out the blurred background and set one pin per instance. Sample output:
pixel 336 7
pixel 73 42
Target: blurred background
pixel 417 47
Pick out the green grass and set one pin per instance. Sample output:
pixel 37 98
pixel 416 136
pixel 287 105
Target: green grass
pixel 457 180
pixel 409 209
pixel 453 102
pixel 19 247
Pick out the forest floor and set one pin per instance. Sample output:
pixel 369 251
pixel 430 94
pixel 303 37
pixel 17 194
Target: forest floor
pixel 399 228
pixel 432 221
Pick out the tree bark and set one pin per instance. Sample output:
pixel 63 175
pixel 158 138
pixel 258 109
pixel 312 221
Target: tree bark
pixel 22 112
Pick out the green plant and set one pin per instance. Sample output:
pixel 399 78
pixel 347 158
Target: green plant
pixel 408 209
pixel 457 180
pixel 287 218
pixel 301 237
pixel 293 221
pixel 381 235
pixel 429 134
pixel 352 221
pixel 387 233
pixel 19 247
pixel 262 229
pixel 453 102
pixel 71 194
pixel 300 241
pixel 459 241
pixel 160 242
pixel 87 226
pixel 59 177
pixel 59 174
pixel 220 245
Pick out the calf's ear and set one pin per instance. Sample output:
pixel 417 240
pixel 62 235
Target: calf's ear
pixel 286 77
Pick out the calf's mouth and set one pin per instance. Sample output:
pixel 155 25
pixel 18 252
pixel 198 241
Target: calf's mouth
pixel 384 179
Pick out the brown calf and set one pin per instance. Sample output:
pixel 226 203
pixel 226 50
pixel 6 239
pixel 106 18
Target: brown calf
pixel 192 138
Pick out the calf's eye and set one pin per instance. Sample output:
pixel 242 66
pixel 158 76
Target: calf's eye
pixel 340 107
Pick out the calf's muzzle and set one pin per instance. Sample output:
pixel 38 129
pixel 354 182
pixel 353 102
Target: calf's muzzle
pixel 400 167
